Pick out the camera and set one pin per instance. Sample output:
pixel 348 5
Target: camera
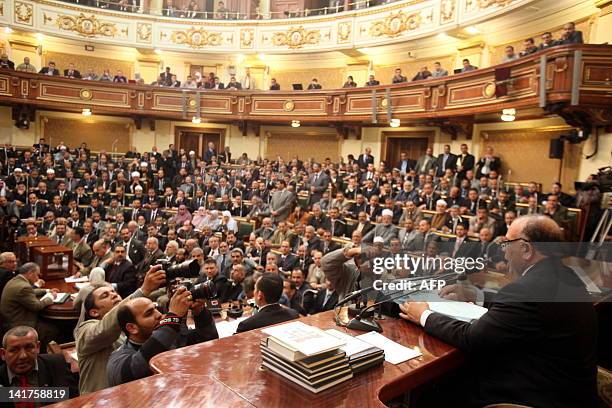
pixel 205 290
pixel 187 269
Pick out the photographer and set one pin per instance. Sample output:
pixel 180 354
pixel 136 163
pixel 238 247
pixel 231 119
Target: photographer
pixel 150 333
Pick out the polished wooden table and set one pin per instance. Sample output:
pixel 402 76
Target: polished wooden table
pixel 164 390
pixel 61 311
pixel 236 362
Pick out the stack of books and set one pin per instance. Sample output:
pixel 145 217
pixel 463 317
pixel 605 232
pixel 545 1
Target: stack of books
pixel 362 356
pixel 313 358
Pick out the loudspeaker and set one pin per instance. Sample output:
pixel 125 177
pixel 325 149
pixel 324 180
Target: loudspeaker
pixel 556 149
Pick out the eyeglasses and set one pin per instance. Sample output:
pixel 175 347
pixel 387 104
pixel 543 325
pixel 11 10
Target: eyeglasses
pixel 505 244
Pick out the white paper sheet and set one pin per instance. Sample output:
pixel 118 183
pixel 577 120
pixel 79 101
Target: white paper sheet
pixel 395 353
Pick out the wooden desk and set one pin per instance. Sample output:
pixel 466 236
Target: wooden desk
pixel 236 362
pixel 163 390
pixel 24 245
pixel 61 311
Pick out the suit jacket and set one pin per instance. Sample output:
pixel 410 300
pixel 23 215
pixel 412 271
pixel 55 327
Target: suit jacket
pixel 287 264
pixel 367 227
pixel 424 164
pixel 282 202
pixel 575 38
pixel 5 276
pixel 466 162
pixel 52 372
pixel 75 73
pixel 320 184
pixel 266 316
pixel 319 302
pixel 124 275
pixel 441 166
pixel 136 251
pixel 45 71
pixel 539 335
pixel 381 230
pixel 82 252
pixel 20 303
pixel 364 159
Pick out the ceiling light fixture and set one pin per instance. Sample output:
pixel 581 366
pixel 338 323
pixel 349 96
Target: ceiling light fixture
pixel 86 112
pixel 394 123
pixel 295 123
pixel 472 30
pixel 197 120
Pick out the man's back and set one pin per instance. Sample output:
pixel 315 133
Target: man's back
pixel 269 314
pixel 536 345
pixel 19 305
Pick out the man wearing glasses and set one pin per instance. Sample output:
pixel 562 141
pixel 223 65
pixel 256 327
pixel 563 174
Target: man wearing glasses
pixel 536 345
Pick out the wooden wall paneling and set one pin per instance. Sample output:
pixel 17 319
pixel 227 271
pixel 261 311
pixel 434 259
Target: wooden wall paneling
pixel 395 142
pixel 99 135
pixel 525 153
pixel 303 144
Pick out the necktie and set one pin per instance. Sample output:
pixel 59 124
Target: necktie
pixel 23 383
pixel 327 296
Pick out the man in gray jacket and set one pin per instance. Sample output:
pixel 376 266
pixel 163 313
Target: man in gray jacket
pixel 386 229
pixel 318 183
pixel 99 334
pixel 149 333
pixel 281 202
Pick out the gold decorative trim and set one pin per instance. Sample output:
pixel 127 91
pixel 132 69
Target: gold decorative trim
pixel 196 38
pixel 24 13
pixel 344 32
pixel 87 26
pixel 247 37
pixel 395 24
pixel 289 106
pixel 143 32
pixel 192 103
pixel 447 10
pixel 296 37
pixel 86 94
pixel 488 91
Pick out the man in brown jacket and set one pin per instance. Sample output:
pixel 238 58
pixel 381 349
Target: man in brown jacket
pixel 98 333
pixel 21 303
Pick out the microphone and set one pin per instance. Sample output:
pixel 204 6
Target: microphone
pixel 353 295
pixel 360 322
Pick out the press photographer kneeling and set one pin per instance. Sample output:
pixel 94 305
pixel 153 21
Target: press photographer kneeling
pixel 150 333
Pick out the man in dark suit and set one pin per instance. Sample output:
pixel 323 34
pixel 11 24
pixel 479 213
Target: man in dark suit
pixel 405 165
pixel 464 162
pixel 268 291
pixel 488 163
pixel 536 345
pixel 71 72
pixel 49 70
pixel 286 261
pixel 372 81
pixel 365 158
pixel 24 366
pixel 8 268
pixel 210 152
pixel 135 251
pixel 166 77
pixel 120 273
pixel 318 182
pixel 5 62
pixel 570 35
pixel 324 300
pixel 445 161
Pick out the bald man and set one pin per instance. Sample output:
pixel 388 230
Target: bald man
pixel 536 345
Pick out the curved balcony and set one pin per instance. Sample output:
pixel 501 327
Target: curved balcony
pixel 574 81
pixel 389 23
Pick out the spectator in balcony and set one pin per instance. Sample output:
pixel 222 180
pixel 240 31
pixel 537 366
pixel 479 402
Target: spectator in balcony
pixel 120 78
pixel 221 12
pixel 350 83
pixel 570 35
pixel 91 75
pixel 233 84
pixel 422 74
pixel 184 11
pixel 26 66
pixel 166 77
pixel 398 78
pixel 529 47
pixel 194 10
pixel 158 82
pixel 175 82
pixel 547 41
pixel 49 70
pixel 6 63
pixel 106 76
pixel 199 80
pixel 467 67
pixel 248 82
pixel 274 86
pixel 123 5
pixel 170 9
pixel 190 83
pixel 314 84
pixel 510 55
pixel 218 84
pixel 372 81
pixel 438 72
pixel 71 72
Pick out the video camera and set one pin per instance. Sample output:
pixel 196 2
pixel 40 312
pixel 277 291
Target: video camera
pixel 176 277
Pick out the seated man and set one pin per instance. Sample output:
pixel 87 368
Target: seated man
pixel 21 303
pixel 24 366
pixel 268 291
pixel 536 345
pixel 149 333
